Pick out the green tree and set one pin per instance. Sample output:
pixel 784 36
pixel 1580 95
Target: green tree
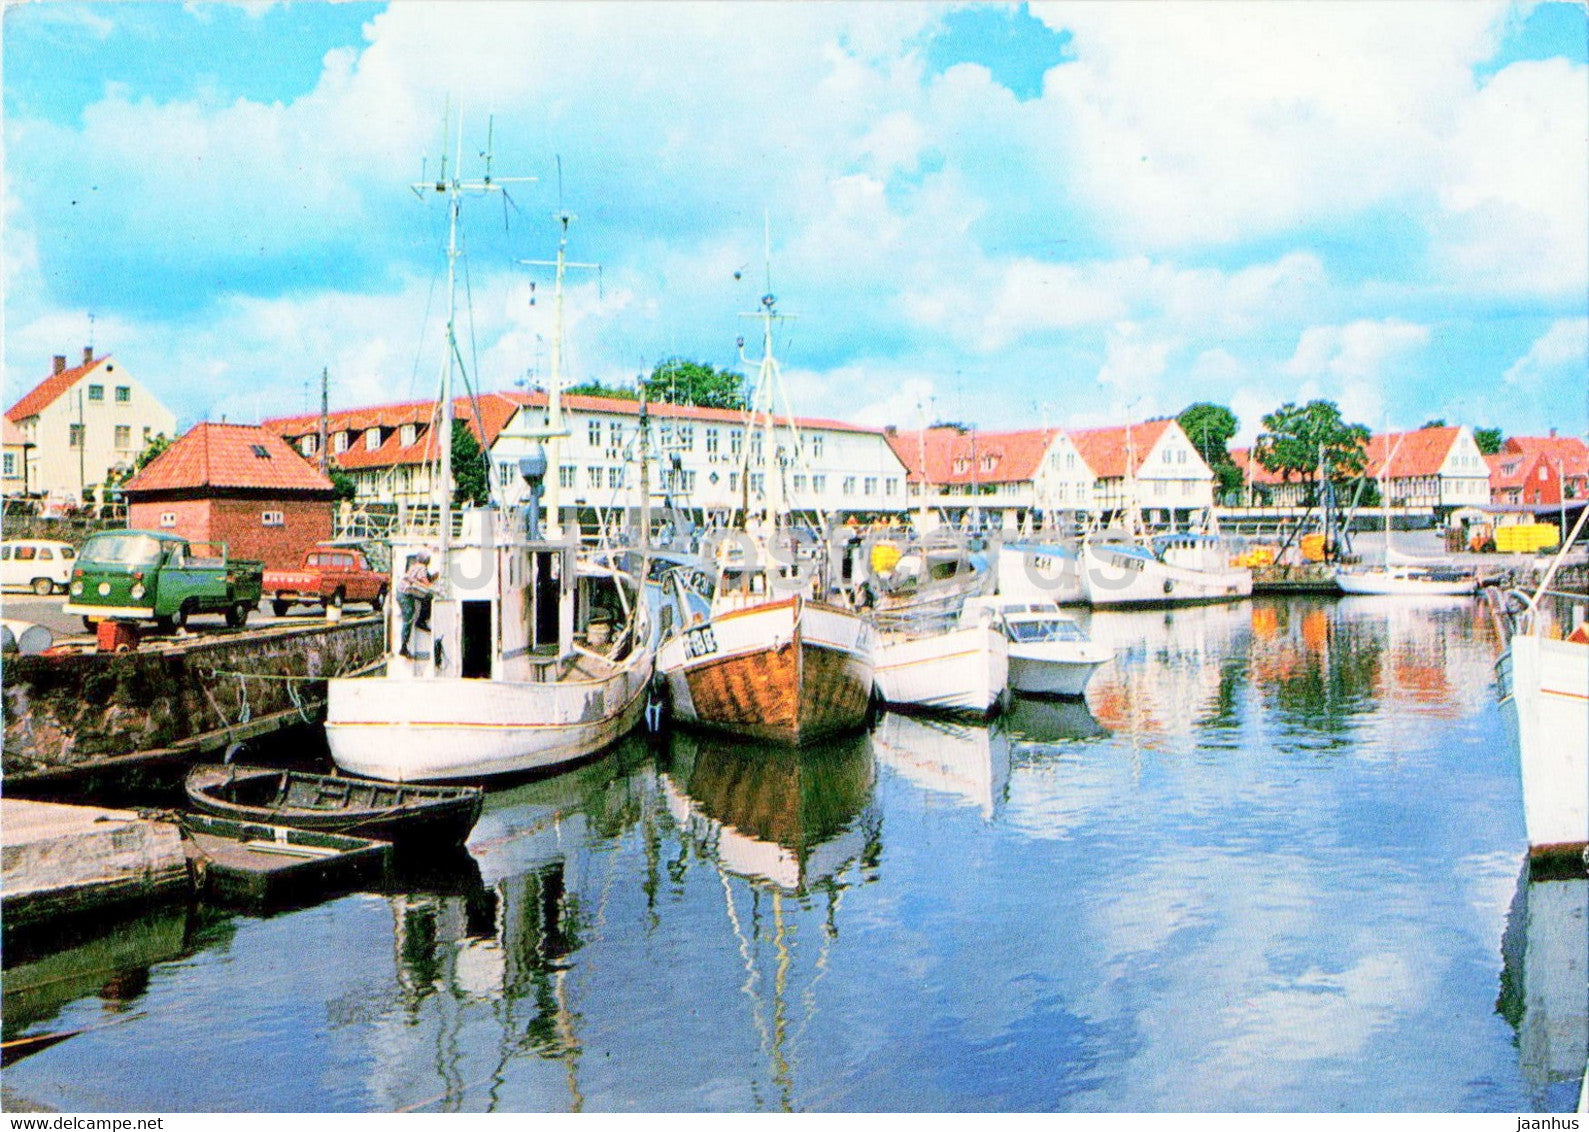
pixel 470 478
pixel 1210 428
pixel 684 382
pixel 1488 440
pixel 1438 422
pixel 1295 438
pixel 597 389
pixel 341 483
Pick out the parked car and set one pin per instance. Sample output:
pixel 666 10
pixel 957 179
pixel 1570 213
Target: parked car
pixel 329 576
pixel 39 565
pixel 152 575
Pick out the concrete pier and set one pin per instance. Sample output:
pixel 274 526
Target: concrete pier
pixel 60 860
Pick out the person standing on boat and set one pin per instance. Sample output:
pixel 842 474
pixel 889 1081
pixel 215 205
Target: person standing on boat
pixel 413 597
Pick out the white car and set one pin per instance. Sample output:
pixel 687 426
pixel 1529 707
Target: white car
pixel 36 564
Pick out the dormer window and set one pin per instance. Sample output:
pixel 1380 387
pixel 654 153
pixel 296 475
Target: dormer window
pixel 408 434
pixel 988 462
pixel 339 442
pixel 372 439
pixel 309 445
pixel 961 465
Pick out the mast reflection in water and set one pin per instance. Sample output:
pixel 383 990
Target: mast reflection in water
pixel 1267 865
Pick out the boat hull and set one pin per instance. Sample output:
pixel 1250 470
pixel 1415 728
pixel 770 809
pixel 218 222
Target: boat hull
pixel 446 729
pixel 1380 583
pixel 964 670
pixel 392 812
pixel 1115 578
pixel 787 671
pixel 1545 697
pixel 1045 671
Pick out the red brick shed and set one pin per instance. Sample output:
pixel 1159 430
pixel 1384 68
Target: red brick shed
pixel 237 484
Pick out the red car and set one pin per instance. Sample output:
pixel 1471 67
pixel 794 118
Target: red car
pixel 330 576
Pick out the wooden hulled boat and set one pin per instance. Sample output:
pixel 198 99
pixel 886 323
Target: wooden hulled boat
pixel 788 670
pixel 389 811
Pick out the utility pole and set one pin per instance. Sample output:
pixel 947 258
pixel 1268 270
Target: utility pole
pixel 320 444
pixel 82 448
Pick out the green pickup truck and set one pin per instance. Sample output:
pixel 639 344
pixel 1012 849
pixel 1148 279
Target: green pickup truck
pixel 149 575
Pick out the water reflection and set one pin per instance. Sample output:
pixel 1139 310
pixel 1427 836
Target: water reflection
pixel 968 761
pixel 1545 980
pixel 1035 720
pixel 789 818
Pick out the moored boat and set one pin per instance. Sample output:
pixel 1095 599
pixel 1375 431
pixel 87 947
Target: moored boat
pixel 394 812
pixel 1049 652
pixel 1407 579
pixel 1179 569
pixel 261 865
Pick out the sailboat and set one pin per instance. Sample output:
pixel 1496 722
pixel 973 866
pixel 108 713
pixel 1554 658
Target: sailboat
pixel 748 647
pixel 531 657
pixel 1543 678
pixel 1402 574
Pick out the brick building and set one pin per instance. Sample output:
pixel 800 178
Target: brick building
pixel 238 484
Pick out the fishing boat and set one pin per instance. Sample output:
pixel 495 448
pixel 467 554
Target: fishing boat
pixel 746 643
pixel 1049 652
pixel 1406 577
pixel 532 657
pixel 941 665
pixel 1041 571
pixel 396 812
pixel 1543 678
pixel 1183 568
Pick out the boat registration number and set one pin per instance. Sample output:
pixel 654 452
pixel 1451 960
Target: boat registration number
pixel 699 642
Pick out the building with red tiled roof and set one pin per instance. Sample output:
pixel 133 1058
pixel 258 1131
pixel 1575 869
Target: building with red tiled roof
pixel 1440 468
pixel 699 454
pixel 16 446
pixel 1567 455
pixel 1263 488
pixel 1041 470
pixel 85 423
pixel 238 484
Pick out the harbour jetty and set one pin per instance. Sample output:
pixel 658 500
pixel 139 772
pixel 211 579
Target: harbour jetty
pixel 80 720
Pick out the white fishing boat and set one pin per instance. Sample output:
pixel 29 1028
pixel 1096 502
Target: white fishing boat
pixel 529 659
pixel 1543 677
pixel 1041 571
pixel 1175 569
pixel 1050 653
pixel 942 666
pixel 746 644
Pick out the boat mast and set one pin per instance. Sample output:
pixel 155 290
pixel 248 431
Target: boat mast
pixel 454 187
pixel 555 429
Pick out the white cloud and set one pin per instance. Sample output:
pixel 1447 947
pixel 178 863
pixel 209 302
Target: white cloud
pixel 1558 362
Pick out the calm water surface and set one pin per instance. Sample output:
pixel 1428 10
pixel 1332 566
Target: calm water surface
pixel 1273 863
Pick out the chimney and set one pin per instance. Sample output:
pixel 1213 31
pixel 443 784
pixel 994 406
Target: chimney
pixel 88 354
pixel 1553 434
pixel 60 363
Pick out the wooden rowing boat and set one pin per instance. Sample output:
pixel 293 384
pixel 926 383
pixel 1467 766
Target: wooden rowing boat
pixel 333 804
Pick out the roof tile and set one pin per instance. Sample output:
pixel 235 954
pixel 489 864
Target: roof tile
pixel 224 455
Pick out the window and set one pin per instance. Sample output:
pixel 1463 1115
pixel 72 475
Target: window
pixel 733 481
pixel 689 482
pixel 505 472
pixel 593 433
pixel 592 476
pixel 96 392
pixel 260 451
pixel 26 553
pixel 757 483
pixel 339 442
pixel 615 434
pixel 1180 456
pixel 819 483
pixel 849 485
pixel 711 442
pixel 168 519
pixel 615 477
pixel 123 436
pixel 74 436
pixel 961 465
pixel 891 485
pixel 308 445
pixel 736 441
pixel 5 554
pixel 407 435
pixel 565 475
pixel 372 439
pixel 870 486
pixel 46 554
pixel 10 464
pixel 687 437
pixel 816 446
pixel 271 519
pixel 123 394
pixel 988 462
pixel 799 482
pixel 1169 457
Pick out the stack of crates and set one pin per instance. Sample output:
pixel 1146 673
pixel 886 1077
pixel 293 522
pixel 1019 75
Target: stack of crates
pixel 1526 538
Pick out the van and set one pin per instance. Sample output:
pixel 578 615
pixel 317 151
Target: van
pixel 36 564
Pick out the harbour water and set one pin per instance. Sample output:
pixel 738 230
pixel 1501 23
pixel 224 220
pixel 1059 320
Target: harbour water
pixel 1274 863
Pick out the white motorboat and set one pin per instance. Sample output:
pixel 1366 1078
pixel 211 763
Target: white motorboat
pixel 1175 569
pixel 955 667
pixel 1050 653
pixel 529 659
pixel 1543 678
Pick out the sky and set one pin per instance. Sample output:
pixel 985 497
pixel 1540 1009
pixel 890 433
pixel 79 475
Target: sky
pixel 1002 215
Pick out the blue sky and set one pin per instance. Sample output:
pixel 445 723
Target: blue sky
pixel 1001 214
